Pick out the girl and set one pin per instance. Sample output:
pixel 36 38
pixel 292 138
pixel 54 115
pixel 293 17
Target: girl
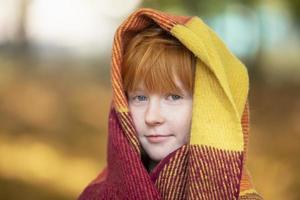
pixel 178 125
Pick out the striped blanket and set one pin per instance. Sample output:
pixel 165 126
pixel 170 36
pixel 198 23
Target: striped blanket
pixel 212 165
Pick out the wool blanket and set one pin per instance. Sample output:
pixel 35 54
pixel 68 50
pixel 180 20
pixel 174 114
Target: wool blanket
pixel 213 164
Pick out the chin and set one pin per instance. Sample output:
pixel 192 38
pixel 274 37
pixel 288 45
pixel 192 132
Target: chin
pixel 159 153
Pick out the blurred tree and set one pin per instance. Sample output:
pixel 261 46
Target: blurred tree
pixel 21 38
pixel 196 7
pixel 294 6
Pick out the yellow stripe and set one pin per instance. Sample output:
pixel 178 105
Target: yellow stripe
pixel 250 191
pixel 122 109
pixel 220 89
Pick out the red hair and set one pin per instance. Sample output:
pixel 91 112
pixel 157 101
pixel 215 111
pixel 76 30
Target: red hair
pixel 154 58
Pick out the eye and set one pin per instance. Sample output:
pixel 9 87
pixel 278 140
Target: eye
pixel 174 97
pixel 140 98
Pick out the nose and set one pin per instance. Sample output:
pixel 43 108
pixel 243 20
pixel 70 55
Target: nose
pixel 153 115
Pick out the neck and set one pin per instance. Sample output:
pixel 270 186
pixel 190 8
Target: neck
pixel 151 165
pixel 148 162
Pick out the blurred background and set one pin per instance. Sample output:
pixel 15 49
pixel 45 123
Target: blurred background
pixel 55 89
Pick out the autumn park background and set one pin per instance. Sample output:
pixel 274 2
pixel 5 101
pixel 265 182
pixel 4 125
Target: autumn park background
pixel 55 89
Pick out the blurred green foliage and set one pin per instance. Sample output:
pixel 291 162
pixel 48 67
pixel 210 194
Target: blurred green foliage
pixel 214 7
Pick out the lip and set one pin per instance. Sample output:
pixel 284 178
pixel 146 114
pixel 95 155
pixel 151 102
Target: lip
pixel 157 138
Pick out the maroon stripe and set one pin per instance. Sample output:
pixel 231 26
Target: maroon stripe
pixel 193 182
pixel 182 179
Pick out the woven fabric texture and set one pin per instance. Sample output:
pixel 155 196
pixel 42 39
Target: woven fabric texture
pixel 213 165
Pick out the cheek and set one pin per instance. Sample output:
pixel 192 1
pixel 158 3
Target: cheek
pixel 181 114
pixel 182 120
pixel 138 118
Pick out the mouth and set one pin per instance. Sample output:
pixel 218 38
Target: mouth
pixel 158 138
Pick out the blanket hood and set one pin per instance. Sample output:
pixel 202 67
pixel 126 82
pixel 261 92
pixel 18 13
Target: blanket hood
pixel 221 82
pixel 212 165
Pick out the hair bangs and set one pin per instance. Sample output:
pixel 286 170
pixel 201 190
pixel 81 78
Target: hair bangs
pixel 156 64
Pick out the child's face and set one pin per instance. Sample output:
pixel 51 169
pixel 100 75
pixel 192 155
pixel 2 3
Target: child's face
pixel 162 121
